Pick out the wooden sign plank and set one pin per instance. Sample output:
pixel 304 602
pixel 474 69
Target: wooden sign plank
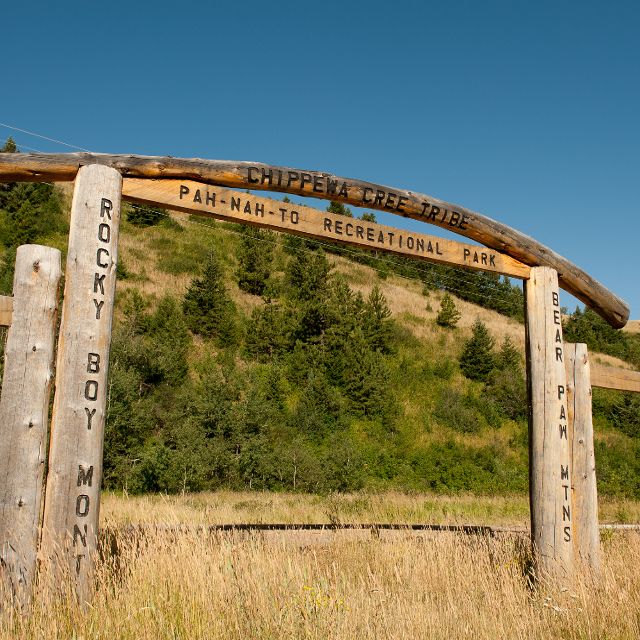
pixel 317 184
pixel 583 460
pixel 549 454
pixel 225 204
pixel 24 413
pixel 614 378
pixel 70 524
pixel 6 310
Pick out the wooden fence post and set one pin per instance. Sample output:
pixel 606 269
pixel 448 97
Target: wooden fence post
pixel 585 492
pixel 24 413
pixel 70 525
pixel 549 455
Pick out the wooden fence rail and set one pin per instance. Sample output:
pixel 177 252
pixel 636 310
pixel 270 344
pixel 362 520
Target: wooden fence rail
pixel 614 378
pixel 6 310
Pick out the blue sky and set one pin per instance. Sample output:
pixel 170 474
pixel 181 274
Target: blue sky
pixel 524 111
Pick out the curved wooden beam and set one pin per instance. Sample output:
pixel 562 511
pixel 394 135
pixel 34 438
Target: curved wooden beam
pixel 317 184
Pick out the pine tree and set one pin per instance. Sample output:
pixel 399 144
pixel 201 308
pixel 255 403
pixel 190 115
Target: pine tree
pixel 306 275
pixel 144 215
pixel 368 216
pixel 29 212
pixel 208 309
pixel 477 359
pixel 448 315
pixel 377 323
pixel 255 258
pixel 339 209
pixel 366 378
pixel 9 146
pixel 508 356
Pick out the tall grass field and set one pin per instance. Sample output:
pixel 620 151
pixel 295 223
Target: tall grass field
pixel 163 583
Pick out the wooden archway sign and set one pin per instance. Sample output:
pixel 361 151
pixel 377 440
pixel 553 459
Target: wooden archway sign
pixel 71 511
pixel 317 184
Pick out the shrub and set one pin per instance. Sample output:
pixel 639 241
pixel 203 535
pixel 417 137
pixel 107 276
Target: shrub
pixel 457 412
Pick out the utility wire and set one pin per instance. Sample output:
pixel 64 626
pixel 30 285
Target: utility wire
pixel 37 135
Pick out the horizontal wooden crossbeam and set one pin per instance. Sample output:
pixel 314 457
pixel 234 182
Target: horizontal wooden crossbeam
pixel 614 378
pixel 226 204
pixel 6 310
pixel 317 184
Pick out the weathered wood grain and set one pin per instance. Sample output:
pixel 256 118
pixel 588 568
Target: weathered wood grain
pixel 583 462
pixel 24 411
pixel 549 454
pixel 316 184
pixel 614 378
pixel 6 310
pixel 75 459
pixel 225 204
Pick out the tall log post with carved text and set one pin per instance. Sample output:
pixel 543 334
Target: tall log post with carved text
pixel 71 513
pixel 549 450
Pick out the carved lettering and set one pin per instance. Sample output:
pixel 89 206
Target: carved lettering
pixel 85 477
pixel 104 232
pixel 91 390
pixel 99 253
pixel 106 206
pixel 99 306
pixel 77 533
pixel 98 283
pixel 82 505
pixel 93 363
pixel 90 415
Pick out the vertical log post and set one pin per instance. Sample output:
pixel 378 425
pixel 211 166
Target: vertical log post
pixel 24 412
pixel 549 454
pixel 70 525
pixel 583 470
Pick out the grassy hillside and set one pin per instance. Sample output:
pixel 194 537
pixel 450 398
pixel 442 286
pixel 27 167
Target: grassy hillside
pixel 310 386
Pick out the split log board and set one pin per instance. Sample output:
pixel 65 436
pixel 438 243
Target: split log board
pixel 584 492
pixel 24 408
pixel 317 184
pixel 6 310
pixel 225 204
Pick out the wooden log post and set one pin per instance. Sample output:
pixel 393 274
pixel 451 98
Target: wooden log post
pixel 71 513
pixel 549 454
pixel 24 412
pixel 583 470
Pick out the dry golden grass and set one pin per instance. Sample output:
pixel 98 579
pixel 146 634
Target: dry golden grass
pixel 228 507
pixel 195 585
